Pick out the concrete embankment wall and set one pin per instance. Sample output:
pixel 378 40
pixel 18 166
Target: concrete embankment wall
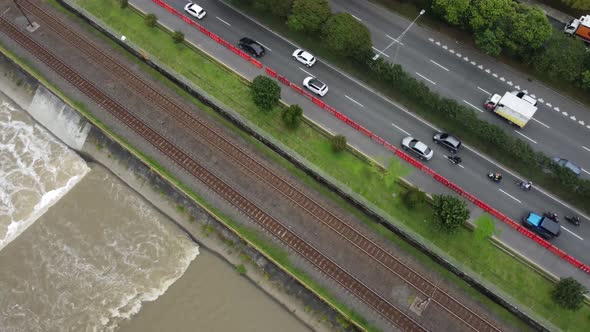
pixel 199 223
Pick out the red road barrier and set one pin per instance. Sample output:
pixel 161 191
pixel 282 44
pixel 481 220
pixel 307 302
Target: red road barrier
pixel 558 252
pixel 270 72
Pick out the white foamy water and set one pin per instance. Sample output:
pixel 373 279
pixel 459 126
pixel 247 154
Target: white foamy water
pixel 36 170
pixel 90 261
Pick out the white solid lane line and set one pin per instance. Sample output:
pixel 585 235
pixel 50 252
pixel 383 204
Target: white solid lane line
pixel 525 136
pixel 424 77
pixel 268 48
pixel 439 65
pixel 470 104
pixel 380 51
pixel 572 233
pixel 401 130
pixel 303 70
pixel 358 19
pixel 541 123
pixel 585 148
pixel 484 91
pixel 507 194
pixel 223 21
pixel 354 101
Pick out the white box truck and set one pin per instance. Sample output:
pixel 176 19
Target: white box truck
pixel 512 108
pixel 579 28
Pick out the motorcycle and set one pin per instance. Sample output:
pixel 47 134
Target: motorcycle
pixel 454 159
pixel 573 219
pixel 525 185
pixel 496 177
pixel 551 215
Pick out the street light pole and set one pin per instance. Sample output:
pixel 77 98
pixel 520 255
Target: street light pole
pixel 398 39
pixel 22 12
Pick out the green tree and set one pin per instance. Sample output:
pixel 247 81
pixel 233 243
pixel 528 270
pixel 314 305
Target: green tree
pixel 578 4
pixel 308 15
pixel 413 197
pixel 489 41
pixel 569 294
pixel 292 116
pixel 338 143
pixel 453 11
pixel 123 4
pixel 279 8
pixel 484 14
pixel 562 58
pixel 449 212
pixel 150 20
pixel 177 37
pixel 266 92
pixel 527 30
pixel 585 80
pixel 347 36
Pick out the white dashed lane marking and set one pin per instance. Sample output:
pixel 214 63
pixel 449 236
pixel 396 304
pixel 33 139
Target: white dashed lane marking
pixel 541 123
pixel 525 136
pixel 470 104
pixel 380 51
pixel 424 77
pixel 401 130
pixel 585 148
pixel 354 101
pixel 507 194
pixel 484 91
pixel 223 21
pixel 438 64
pixel 303 70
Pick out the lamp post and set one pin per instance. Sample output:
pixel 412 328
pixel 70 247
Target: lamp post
pixel 398 39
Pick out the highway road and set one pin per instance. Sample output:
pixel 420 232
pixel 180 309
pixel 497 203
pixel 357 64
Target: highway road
pixel 561 126
pixel 387 119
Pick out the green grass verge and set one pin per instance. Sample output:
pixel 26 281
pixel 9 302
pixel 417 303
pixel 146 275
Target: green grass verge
pixel 498 267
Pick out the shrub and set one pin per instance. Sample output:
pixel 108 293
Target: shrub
pixel 585 79
pixel 265 92
pixel 150 20
pixel 413 197
pixel 526 30
pixel 123 4
pixel 178 37
pixel 449 212
pixel 489 41
pixel 578 4
pixel 278 8
pixel 292 116
pixel 452 11
pixel 563 58
pixel 569 294
pixel 338 143
pixel 308 15
pixel 347 36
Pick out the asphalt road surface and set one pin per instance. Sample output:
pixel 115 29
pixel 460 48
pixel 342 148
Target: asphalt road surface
pixel 385 118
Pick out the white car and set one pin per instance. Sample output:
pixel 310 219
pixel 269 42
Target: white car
pixel 304 57
pixel 316 86
pixel 195 10
pixel 417 148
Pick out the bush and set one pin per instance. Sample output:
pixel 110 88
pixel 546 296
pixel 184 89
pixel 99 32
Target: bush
pixel 150 20
pixel 413 197
pixel 578 4
pixel 563 58
pixel 489 41
pixel 178 37
pixel 292 116
pixel 266 92
pixel 452 11
pixel 346 36
pixel 308 15
pixel 449 212
pixel 338 143
pixel 569 294
pixel 123 4
pixel 527 30
pixel 585 80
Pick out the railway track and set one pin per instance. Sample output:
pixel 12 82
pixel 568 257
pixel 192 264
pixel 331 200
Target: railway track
pixel 183 159
pixel 344 228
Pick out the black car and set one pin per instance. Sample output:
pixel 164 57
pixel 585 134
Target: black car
pixel 448 141
pixel 251 46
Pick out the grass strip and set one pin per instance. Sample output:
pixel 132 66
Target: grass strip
pixel 482 257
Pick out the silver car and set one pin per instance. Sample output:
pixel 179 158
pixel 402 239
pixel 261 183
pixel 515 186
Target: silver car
pixel 417 148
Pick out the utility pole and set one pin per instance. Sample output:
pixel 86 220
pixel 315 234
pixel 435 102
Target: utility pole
pixel 32 26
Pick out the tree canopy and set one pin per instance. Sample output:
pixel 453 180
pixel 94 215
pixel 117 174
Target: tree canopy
pixel 347 36
pixel 308 15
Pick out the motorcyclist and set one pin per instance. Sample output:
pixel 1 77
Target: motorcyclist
pixel 526 184
pixel 456 159
pixel 497 176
